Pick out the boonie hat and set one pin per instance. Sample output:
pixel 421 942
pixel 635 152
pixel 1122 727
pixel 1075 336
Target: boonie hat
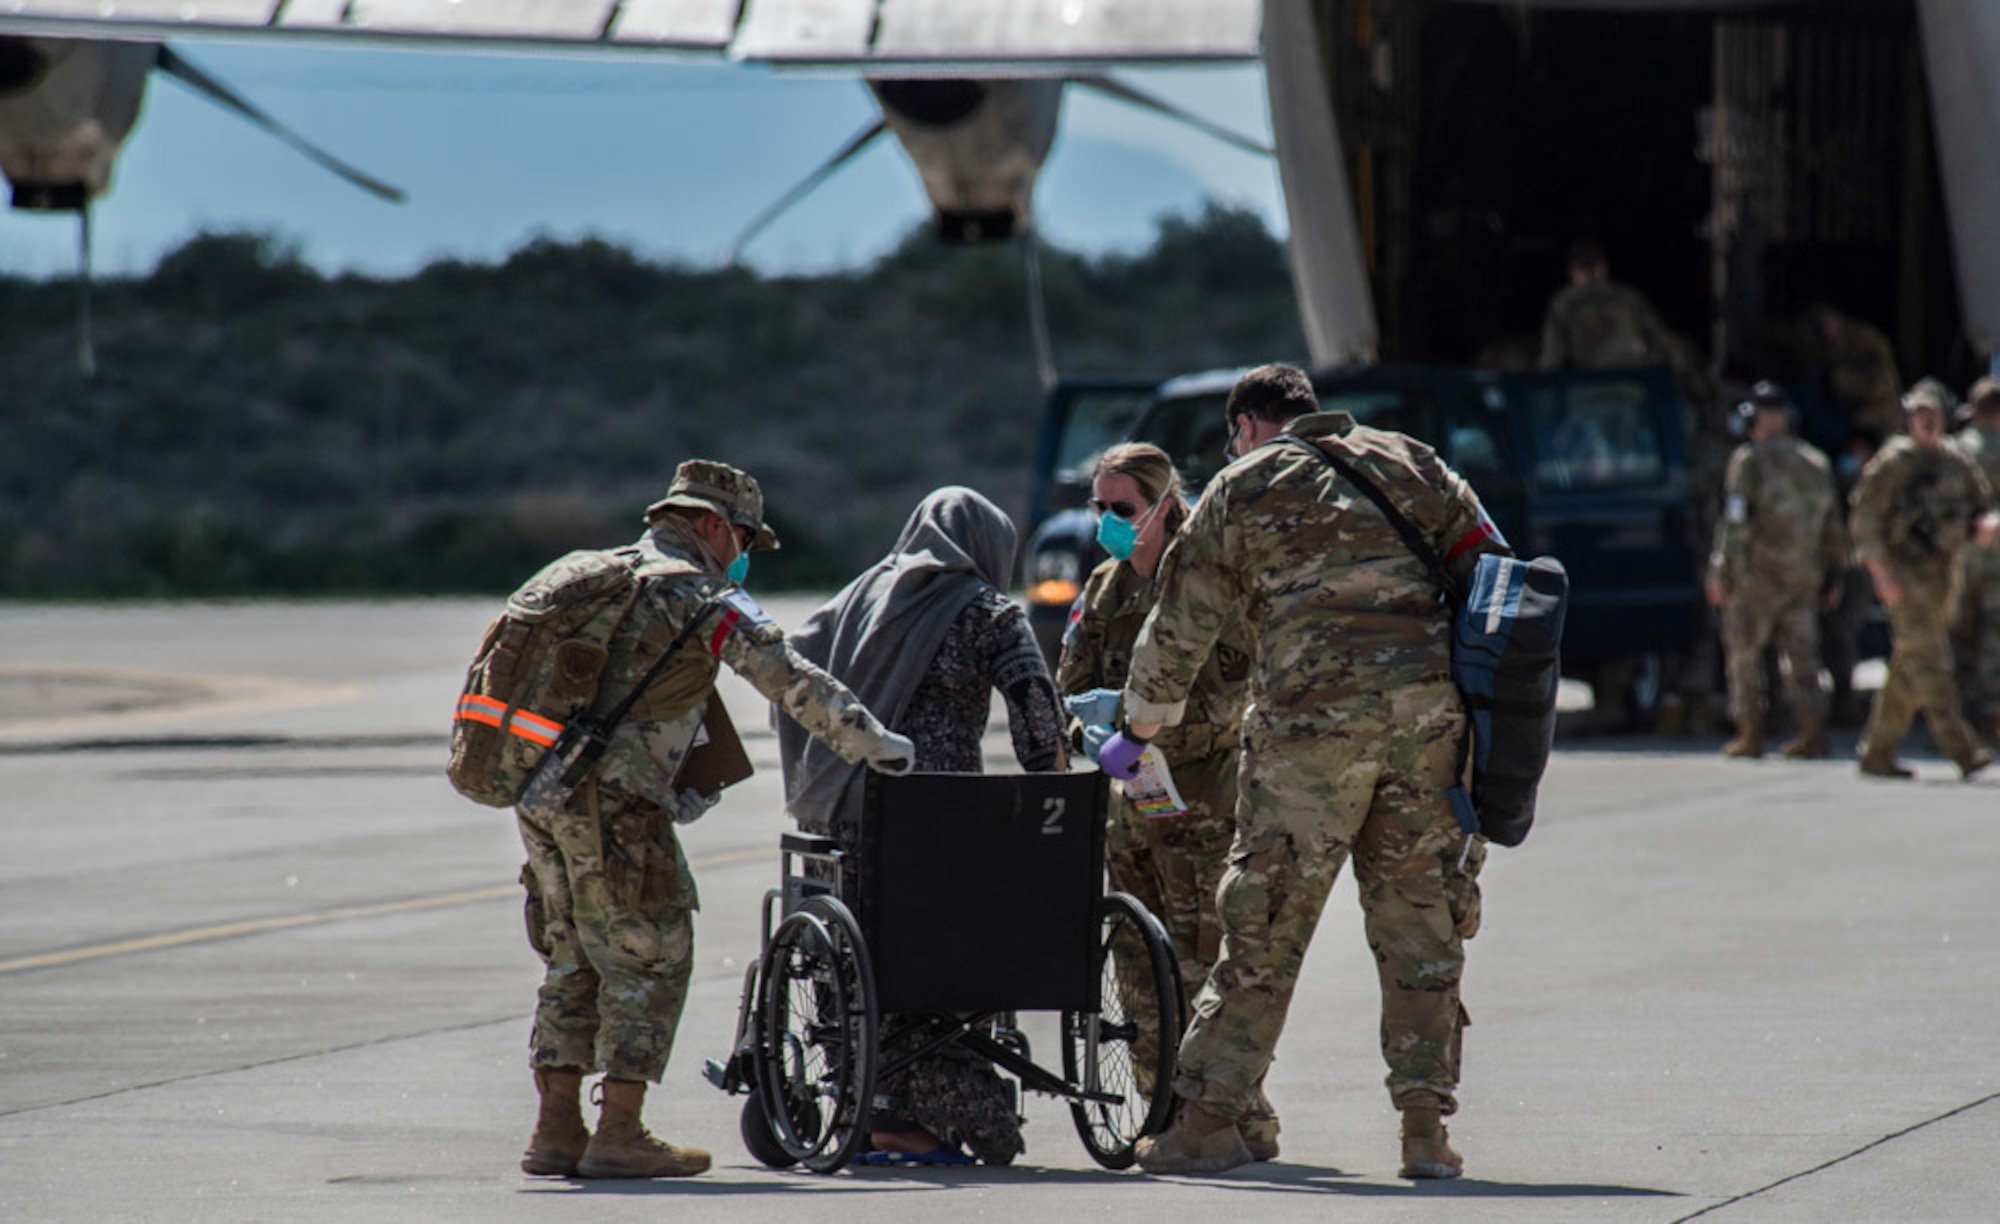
pixel 703 484
pixel 1929 393
pixel 1984 393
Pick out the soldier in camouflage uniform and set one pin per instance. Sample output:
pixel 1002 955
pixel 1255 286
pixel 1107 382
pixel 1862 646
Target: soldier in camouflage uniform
pixel 1778 556
pixel 1598 323
pixel 1861 368
pixel 1353 736
pixel 1171 865
pixel 611 898
pixel 1918 505
pixel 1979 607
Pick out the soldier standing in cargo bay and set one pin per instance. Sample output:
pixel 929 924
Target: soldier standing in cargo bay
pixel 610 894
pixel 1353 735
pixel 1778 556
pixel 1919 504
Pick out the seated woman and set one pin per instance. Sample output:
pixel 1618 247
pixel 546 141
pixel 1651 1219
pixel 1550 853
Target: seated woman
pixel 924 638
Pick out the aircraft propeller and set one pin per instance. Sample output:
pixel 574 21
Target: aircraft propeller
pixel 65 107
pixel 978 144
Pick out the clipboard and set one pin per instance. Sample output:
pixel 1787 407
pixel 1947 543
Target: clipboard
pixel 717 760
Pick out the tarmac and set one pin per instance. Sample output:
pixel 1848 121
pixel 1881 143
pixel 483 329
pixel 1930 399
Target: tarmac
pixel 259 962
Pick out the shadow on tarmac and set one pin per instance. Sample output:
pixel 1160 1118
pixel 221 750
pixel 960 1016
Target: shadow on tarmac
pixel 1283 1177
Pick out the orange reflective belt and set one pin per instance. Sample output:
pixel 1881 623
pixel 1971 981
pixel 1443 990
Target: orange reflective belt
pixel 531 727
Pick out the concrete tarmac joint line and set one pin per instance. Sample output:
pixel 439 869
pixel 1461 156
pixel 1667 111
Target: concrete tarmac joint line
pixel 285 922
pixel 1823 1166
pixel 154 699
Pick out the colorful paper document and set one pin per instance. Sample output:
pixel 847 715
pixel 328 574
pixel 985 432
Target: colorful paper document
pixel 1152 790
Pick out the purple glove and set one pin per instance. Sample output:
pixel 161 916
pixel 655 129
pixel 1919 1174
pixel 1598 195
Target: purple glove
pixel 1120 756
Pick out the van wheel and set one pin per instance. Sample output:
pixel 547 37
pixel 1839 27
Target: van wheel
pixel 1626 693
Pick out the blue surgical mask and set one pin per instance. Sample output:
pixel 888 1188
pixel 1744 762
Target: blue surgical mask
pixel 1120 535
pixel 739 569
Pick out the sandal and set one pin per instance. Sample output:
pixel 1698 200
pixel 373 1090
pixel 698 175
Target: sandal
pixel 942 1154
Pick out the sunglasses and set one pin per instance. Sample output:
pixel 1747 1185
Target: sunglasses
pixel 1123 509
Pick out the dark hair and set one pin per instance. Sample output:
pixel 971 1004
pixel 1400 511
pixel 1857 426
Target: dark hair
pixel 1587 253
pixel 1274 393
pixel 1985 395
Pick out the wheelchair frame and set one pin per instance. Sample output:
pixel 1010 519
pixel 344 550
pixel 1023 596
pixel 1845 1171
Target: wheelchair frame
pixel 807 1050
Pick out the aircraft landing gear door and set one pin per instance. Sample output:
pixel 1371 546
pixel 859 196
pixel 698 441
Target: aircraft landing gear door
pixel 1608 492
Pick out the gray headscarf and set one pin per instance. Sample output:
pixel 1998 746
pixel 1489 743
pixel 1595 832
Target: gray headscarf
pixel 880 634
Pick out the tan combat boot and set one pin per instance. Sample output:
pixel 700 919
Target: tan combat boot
pixel 622 1147
pixel 1810 743
pixel 1877 766
pixel 1427 1150
pixel 1748 744
pixel 1199 1141
pixel 559 1137
pixel 1980 759
pixel 1260 1128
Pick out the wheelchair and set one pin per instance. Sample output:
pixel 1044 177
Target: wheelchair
pixel 975 897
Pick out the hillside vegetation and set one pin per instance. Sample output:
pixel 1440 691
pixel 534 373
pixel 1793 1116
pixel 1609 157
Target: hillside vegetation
pixel 258 428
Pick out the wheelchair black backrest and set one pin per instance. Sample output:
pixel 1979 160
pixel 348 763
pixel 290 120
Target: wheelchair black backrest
pixel 979 892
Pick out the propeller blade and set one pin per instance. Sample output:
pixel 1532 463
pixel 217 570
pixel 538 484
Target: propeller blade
pixel 1038 309
pixel 1111 86
pixel 176 65
pixel 846 153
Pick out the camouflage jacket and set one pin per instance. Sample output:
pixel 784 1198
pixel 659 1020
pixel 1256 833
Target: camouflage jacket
pixel 1601 324
pixel 1915 508
pixel 1338 608
pixel 1779 521
pixel 1097 653
pixel 1862 368
pixel 1983 449
pixel 647 749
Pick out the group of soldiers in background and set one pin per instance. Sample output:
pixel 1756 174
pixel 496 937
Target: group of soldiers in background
pixel 1778 513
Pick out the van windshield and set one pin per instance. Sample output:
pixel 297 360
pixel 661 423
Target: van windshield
pixel 1190 429
pixel 1598 435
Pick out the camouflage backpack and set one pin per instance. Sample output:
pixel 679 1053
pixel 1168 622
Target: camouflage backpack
pixel 540 668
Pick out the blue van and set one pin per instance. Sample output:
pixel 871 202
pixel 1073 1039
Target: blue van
pixel 1590 466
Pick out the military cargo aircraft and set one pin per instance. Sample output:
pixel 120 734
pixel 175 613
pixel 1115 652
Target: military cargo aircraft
pixel 1749 154
pixel 66 105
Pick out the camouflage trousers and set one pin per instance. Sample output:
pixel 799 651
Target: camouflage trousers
pixel 1173 867
pixel 1919 676
pixel 1758 615
pixel 1304 808
pixel 1977 635
pixel 610 905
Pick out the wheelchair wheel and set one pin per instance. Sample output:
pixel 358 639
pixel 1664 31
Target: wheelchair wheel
pixel 1127 1046
pixel 760 1138
pixel 815 1046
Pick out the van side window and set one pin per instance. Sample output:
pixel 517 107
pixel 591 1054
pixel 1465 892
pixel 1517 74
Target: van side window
pixel 1474 449
pixel 1595 436
pixel 1411 412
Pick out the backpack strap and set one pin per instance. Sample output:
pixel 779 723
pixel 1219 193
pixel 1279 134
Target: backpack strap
pixel 585 740
pixel 1412 538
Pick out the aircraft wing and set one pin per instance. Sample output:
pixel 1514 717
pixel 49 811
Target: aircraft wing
pixel 849 33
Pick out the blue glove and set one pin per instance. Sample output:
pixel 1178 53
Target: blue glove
pixel 1094 736
pixel 1120 756
pixel 1095 706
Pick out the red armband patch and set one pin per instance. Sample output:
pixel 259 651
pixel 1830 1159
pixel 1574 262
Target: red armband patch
pixel 1480 534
